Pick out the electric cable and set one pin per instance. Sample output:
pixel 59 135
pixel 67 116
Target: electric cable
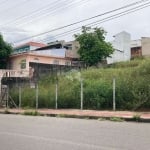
pixel 56 29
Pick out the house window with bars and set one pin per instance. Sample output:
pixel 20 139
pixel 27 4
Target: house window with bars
pixel 23 64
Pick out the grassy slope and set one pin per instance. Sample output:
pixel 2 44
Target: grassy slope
pixel 132 88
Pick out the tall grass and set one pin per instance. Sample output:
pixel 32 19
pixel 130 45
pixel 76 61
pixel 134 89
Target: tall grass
pixel 132 88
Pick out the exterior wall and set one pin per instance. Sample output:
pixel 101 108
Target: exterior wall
pixel 47 60
pixel 145 46
pixel 51 52
pixel 136 43
pixel 136 48
pixel 116 57
pixel 136 52
pixel 72 51
pixel 121 45
pixel 15 60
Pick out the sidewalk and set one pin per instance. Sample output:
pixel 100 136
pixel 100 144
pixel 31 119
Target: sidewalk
pixel 76 113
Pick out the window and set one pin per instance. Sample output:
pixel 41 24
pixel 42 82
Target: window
pixel 23 64
pixel 68 46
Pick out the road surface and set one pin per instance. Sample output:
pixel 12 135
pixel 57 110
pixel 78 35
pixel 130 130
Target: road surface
pixel 45 133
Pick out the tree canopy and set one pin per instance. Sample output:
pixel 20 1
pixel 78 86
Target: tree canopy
pixel 93 47
pixel 5 51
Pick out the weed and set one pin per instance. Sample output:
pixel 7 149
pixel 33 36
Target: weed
pixel 6 111
pixel 101 119
pixel 31 113
pixel 61 115
pixel 116 119
pixel 137 117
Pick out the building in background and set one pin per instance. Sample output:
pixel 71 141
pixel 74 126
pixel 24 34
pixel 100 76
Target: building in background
pixel 28 47
pixel 38 58
pixel 121 45
pixel 140 47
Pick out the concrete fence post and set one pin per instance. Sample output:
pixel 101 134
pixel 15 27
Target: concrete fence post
pixel 81 82
pixel 7 98
pixel 37 96
pixel 20 96
pixel 114 94
pixel 56 95
pixel 0 88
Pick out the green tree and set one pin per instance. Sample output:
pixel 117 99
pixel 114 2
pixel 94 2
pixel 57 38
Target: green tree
pixel 5 51
pixel 93 47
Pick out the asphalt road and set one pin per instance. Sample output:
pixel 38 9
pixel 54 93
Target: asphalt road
pixel 46 133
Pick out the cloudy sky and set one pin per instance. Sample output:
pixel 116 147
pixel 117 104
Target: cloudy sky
pixel 22 19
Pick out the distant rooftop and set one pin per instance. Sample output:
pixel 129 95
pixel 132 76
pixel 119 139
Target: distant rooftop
pixel 36 44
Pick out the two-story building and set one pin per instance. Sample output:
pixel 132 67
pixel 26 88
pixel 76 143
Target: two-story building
pixel 121 45
pixel 140 47
pixel 38 58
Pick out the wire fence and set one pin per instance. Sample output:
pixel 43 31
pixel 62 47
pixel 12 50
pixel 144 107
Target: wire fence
pixel 77 94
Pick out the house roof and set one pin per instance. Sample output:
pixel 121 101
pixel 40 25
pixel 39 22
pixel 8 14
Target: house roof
pixel 37 44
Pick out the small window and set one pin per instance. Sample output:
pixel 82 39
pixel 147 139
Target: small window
pixel 23 64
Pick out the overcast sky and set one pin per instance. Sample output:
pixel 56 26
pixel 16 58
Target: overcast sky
pixel 20 19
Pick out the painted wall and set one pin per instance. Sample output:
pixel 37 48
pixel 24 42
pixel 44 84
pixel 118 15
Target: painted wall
pixel 121 46
pixel 15 60
pixel 52 52
pixel 145 46
pixel 72 52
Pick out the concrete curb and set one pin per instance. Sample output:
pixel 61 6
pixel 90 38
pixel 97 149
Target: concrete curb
pixel 63 115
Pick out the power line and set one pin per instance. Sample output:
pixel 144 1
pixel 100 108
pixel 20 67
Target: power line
pixel 56 29
pixel 129 5
pixel 102 20
pixel 37 13
pixel 54 11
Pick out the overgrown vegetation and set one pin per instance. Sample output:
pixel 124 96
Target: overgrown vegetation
pixel 5 51
pixel 132 88
pixel 31 113
pixel 137 117
pixel 116 119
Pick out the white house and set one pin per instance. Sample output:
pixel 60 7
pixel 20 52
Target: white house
pixel 121 46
